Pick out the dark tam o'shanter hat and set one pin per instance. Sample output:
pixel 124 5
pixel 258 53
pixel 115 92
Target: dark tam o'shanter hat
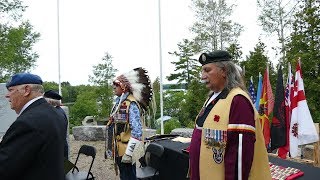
pixel 23 78
pixel 215 56
pixel 52 95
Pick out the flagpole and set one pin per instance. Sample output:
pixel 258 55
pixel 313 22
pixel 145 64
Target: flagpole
pixel 160 57
pixel 58 31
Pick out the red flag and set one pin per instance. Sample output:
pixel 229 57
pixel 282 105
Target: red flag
pixel 266 106
pixel 283 151
pixel 302 129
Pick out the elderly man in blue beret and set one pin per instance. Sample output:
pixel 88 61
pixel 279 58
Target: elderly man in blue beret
pixel 226 125
pixel 32 147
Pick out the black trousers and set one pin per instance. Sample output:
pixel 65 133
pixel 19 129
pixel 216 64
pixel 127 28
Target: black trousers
pixel 127 170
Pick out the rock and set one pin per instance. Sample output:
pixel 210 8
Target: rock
pixel 149 132
pixel 89 121
pixel 89 133
pixel 184 132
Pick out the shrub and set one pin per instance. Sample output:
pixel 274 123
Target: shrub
pixel 171 124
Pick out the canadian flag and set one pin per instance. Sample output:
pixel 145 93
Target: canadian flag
pixel 302 129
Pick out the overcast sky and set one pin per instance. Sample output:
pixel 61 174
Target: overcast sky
pixel 126 29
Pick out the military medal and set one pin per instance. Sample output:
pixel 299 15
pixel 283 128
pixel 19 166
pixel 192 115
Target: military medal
pixel 121 116
pixel 216 140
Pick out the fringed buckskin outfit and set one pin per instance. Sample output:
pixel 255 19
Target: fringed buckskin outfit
pixel 127 120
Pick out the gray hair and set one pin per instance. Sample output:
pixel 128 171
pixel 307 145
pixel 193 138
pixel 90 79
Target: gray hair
pixel 234 78
pixel 53 102
pixel 38 88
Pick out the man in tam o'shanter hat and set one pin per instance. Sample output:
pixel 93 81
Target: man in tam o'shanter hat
pixel 134 93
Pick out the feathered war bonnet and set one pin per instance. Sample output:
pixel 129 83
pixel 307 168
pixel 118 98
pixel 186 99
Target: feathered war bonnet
pixel 138 83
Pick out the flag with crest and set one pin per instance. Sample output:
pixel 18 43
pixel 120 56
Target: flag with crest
pixel 302 129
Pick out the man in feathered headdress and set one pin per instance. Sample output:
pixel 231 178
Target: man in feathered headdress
pixel 134 93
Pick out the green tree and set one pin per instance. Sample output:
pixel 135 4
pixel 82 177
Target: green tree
pixel 235 50
pixel 276 18
pixel 213 28
pixel 172 102
pixel 69 93
pixel 305 44
pixel 186 68
pixel 257 62
pixel 170 125
pixel 103 74
pixel 156 109
pixel 85 105
pixel 16 40
pixel 11 10
pixel 50 86
pixel 194 99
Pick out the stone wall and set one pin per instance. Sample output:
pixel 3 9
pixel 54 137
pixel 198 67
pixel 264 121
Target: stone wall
pixel 97 133
pixel 89 133
pixel 7 115
pixel 184 132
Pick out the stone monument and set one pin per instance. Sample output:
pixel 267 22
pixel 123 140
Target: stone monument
pixel 7 115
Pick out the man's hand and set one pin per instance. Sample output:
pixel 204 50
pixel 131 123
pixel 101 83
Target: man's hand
pixel 110 121
pixel 126 159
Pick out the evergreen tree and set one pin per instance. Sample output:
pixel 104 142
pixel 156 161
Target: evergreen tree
pixel 256 62
pixel 194 98
pixel 305 44
pixel 186 68
pixel 172 103
pixel 235 51
pixel 156 94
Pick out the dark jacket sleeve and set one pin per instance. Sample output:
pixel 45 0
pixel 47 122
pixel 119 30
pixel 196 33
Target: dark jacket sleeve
pixel 241 115
pixel 18 148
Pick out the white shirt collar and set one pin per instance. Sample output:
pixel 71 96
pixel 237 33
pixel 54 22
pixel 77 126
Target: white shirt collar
pixel 213 97
pixel 28 104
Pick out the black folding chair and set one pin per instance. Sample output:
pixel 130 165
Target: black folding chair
pixel 83 175
pixel 152 159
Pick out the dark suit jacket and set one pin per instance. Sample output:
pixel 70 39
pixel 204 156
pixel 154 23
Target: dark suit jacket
pixel 32 148
pixel 66 146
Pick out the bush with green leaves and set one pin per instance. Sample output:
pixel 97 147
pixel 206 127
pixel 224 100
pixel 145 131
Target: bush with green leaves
pixel 169 125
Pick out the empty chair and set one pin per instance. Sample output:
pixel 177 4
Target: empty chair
pixel 152 158
pixel 75 174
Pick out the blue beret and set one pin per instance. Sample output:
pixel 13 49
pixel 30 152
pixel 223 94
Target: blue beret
pixel 52 95
pixel 215 56
pixel 23 78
